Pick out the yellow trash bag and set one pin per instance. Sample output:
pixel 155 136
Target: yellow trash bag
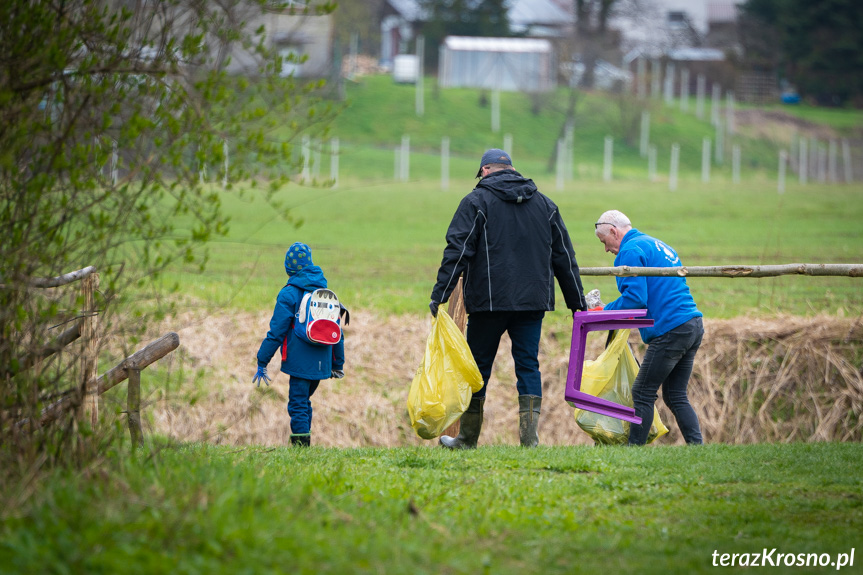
pixel 445 380
pixel 610 376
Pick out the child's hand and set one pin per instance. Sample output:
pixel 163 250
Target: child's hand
pixel 261 375
pixel 337 373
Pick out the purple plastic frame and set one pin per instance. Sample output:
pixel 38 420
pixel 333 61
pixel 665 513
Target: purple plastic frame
pixel 583 322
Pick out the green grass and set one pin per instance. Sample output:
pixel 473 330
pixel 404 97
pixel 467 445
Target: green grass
pixel 379 112
pixel 205 509
pixel 380 243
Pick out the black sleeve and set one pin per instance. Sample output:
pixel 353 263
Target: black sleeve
pixel 461 241
pixel 564 265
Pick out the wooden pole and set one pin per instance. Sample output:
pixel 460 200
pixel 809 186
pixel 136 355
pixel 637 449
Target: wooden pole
pixel 63 279
pixel 89 357
pixel 731 271
pixel 154 351
pixel 457 312
pixel 133 408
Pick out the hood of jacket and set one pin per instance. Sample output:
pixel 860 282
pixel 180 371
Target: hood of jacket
pixel 509 186
pixel 309 278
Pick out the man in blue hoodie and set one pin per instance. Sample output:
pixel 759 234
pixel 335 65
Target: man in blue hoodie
pixel 510 243
pixel 307 363
pixel 676 334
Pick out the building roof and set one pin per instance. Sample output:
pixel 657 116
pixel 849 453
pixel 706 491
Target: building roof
pixel 410 10
pixel 697 54
pixel 524 14
pixel 485 44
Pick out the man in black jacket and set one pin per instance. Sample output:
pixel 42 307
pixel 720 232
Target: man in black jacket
pixel 510 243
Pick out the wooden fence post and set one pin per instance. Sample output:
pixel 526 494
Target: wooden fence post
pixel 89 356
pixel 133 408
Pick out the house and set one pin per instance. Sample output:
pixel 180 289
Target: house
pixel 400 23
pixel 302 37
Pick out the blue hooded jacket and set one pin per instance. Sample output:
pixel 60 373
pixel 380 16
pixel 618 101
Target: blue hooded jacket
pixel 666 299
pixel 299 358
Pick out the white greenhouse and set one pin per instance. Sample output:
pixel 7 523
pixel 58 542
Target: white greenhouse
pixel 507 64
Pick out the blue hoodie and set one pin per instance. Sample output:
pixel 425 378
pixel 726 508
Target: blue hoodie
pixel 299 358
pixel 666 299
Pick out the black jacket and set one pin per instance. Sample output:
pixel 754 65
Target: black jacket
pixel 510 242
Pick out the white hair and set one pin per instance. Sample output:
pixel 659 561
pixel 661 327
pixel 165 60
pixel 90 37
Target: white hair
pixel 616 218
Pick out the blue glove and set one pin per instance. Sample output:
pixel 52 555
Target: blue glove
pixel 433 307
pixel 261 375
pixel 337 373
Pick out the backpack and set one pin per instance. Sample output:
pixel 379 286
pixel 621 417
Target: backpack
pixel 317 319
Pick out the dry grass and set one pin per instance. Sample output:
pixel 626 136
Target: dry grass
pixel 779 379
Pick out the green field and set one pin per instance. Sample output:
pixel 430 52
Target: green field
pixel 380 245
pixel 204 509
pixel 380 241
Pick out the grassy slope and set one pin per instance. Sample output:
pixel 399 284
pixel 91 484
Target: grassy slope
pixel 422 510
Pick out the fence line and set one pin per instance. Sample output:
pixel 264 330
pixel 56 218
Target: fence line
pixel 731 271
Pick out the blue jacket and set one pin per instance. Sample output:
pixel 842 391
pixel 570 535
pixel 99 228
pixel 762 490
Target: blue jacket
pixel 299 358
pixel 667 299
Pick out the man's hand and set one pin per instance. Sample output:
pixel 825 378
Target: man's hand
pixel 261 375
pixel 433 305
pixel 337 373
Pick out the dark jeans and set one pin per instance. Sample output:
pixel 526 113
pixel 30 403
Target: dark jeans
pixel 299 404
pixel 484 330
pixel 668 363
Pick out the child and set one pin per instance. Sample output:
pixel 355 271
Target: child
pixel 306 363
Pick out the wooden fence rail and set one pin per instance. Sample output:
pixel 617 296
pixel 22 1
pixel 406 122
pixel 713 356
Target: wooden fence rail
pixel 731 271
pixel 133 364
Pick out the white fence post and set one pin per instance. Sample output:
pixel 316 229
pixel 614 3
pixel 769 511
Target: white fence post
pixel 420 102
pixel 334 161
pixel 608 158
pixel 306 157
pixel 684 90
pixel 645 133
pixel 783 159
pixel 651 163
pixel 846 161
pixel 560 169
pixel 735 163
pixel 675 164
pixel 669 84
pixel 700 87
pixel 227 165
pixel 802 162
pixel 715 97
pixel 705 160
pixel 495 110
pixel 729 112
pixel 444 163
pixel 405 163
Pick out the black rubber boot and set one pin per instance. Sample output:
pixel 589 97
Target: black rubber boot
pixel 470 425
pixel 302 440
pixel 528 419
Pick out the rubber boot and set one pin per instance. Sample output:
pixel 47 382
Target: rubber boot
pixel 301 440
pixel 528 419
pixel 470 425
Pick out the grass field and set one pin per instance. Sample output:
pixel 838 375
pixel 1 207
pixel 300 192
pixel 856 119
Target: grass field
pixel 380 244
pixel 506 510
